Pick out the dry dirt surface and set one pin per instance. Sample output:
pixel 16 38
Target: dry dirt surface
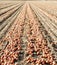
pixel 28 33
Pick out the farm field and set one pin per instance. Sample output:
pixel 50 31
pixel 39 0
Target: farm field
pixel 28 32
